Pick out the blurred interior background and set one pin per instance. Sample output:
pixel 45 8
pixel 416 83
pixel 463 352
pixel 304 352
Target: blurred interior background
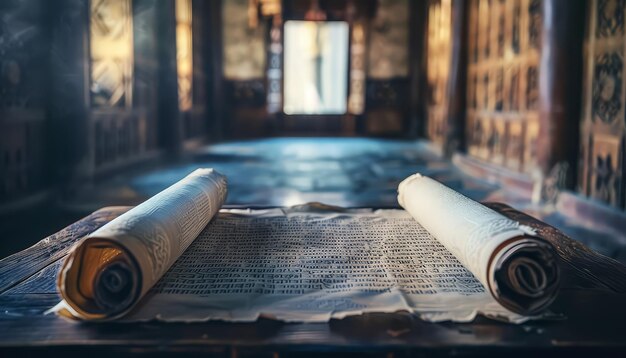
pixel 107 102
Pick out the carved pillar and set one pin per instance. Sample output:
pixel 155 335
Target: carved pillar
pixel 170 126
pixel 560 74
pixel 418 34
pixel 455 127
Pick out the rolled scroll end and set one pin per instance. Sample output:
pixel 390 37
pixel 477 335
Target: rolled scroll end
pixel 402 187
pixel 99 281
pixel 113 288
pixel 525 275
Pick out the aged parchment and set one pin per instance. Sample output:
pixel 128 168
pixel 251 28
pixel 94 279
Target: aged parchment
pixel 444 258
pixel 311 267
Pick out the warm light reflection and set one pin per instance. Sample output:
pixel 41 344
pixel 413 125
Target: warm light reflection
pixel 438 65
pixel 293 199
pixel 111 52
pixel 271 7
pixel 184 54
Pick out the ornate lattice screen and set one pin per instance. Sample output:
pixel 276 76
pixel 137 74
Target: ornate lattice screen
pixel 438 67
pixel 603 129
pixel 111 49
pixel 502 81
pixel 244 45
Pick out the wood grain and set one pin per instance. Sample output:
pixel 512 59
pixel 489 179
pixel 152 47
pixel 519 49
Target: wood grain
pixel 589 316
pixel 18 267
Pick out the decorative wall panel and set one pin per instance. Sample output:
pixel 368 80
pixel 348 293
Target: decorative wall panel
pixel 603 130
pixel 389 40
pixel 275 71
pixel 124 54
pixel 24 52
pixel 244 46
pixel 387 84
pixel 356 98
pixel 438 66
pixel 118 137
pixel 111 49
pixel 503 82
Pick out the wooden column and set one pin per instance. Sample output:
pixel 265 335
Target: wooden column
pixel 170 126
pixel 455 128
pixel 201 78
pixel 560 90
pixel 418 34
pixel 70 130
pixel 214 70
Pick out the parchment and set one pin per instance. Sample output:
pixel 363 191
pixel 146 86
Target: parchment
pixel 310 267
pixel 517 267
pixel 445 258
pixel 107 273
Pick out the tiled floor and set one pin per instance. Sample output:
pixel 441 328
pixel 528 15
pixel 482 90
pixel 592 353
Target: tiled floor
pixel 349 172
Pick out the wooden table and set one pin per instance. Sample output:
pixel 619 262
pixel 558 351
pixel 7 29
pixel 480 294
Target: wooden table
pixel 590 316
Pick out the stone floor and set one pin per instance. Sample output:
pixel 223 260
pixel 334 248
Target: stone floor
pixel 349 172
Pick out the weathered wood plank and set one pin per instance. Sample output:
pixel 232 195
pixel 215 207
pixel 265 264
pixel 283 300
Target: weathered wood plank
pixel 18 267
pixel 591 315
pixel 581 266
pixel 594 319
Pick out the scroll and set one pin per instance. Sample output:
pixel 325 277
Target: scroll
pixel 109 271
pixel 182 258
pixel 518 268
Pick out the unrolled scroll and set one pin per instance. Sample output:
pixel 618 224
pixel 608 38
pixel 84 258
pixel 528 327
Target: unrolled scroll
pixel 518 268
pixel 107 273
